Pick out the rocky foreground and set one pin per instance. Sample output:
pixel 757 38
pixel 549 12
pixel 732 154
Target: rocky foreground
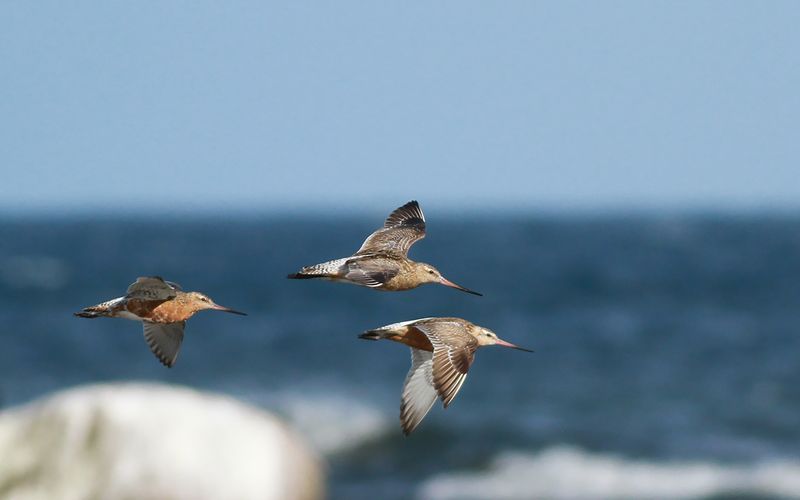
pixel 148 442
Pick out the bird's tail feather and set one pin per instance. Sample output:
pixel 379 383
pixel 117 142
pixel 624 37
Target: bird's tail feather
pixel 104 310
pixel 325 270
pixel 304 276
pixel 92 312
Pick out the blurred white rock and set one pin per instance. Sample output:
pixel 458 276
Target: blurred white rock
pixel 148 442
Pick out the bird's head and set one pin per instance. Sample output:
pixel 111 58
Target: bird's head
pixel 426 273
pixel 484 336
pixel 201 302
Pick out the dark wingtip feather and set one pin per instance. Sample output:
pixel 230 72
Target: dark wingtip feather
pixel 168 364
pixel 301 276
pixel 409 214
pixel 369 335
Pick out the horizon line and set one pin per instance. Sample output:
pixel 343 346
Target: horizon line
pixel 443 209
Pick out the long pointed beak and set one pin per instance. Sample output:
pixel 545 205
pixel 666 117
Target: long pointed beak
pixel 218 307
pixel 446 282
pixel 513 346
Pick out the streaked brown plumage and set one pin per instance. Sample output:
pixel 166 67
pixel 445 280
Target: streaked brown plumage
pixel 382 261
pixel 162 307
pixel 442 350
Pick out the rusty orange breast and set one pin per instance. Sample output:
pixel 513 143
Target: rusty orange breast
pixel 168 311
pixel 142 308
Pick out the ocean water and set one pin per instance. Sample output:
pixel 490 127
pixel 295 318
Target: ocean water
pixel 667 359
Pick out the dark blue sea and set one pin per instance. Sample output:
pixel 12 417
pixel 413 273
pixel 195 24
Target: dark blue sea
pixel 667 346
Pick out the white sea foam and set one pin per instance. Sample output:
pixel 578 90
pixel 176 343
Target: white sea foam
pixel 150 441
pixel 334 421
pixel 566 472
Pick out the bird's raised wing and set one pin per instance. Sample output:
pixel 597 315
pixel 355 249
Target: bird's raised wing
pixel 419 393
pixel 164 339
pixel 453 352
pixel 404 227
pixel 152 288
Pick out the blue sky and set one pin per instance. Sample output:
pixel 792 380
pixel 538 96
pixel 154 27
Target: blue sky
pixel 140 106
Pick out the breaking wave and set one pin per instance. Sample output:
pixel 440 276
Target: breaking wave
pixel 563 472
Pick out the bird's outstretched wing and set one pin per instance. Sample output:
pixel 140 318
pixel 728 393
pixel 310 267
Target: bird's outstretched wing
pixel 453 352
pixel 164 339
pixel 404 227
pixel 419 393
pixel 152 288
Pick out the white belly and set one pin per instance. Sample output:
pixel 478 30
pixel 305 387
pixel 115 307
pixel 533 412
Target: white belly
pixel 128 315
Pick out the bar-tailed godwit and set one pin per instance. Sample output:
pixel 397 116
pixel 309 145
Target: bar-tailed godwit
pixel 163 307
pixel 382 261
pixel 442 350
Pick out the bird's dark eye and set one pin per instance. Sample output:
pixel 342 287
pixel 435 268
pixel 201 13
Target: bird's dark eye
pixel 430 271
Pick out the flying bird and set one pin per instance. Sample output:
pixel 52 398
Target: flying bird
pixel 442 350
pixel 382 261
pixel 163 307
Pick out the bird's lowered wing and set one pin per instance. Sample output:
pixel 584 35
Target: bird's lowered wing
pixel 419 393
pixel 164 339
pixel 453 352
pixel 373 272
